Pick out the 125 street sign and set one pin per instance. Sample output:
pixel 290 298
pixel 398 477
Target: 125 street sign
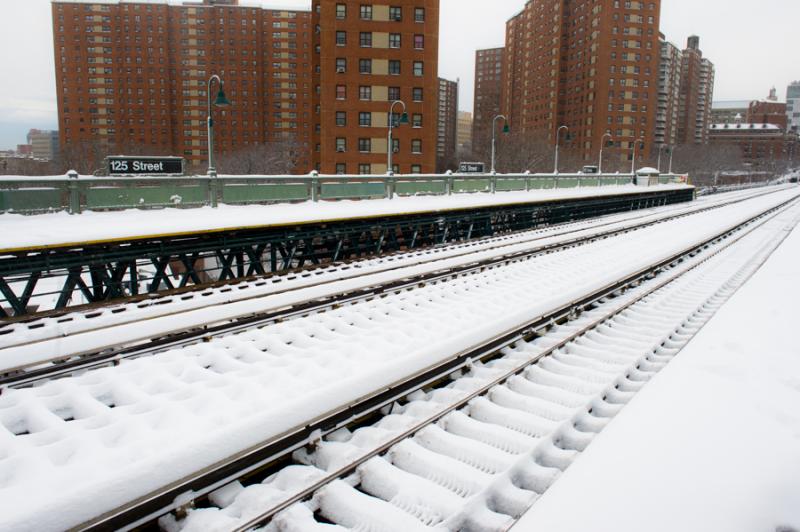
pixel 155 166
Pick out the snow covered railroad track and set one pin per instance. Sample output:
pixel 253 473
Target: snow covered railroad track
pixel 49 348
pixel 131 438
pixel 475 454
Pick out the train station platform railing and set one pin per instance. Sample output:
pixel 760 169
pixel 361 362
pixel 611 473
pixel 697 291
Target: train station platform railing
pixel 74 193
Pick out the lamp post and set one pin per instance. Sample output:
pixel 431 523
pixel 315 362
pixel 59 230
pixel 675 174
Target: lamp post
pixel 219 101
pixel 671 152
pixel 633 161
pixel 403 120
pixel 494 131
pixel 558 138
pixel 602 145
pixel 660 149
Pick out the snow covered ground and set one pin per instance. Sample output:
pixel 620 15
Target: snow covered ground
pixel 710 444
pixel 23 232
pixel 112 434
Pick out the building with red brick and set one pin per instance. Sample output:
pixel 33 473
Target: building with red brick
pixel 371 55
pixel 769 111
pixel 760 144
pixel 447 125
pixel 669 86
pixel 589 65
pixel 696 91
pixel 488 89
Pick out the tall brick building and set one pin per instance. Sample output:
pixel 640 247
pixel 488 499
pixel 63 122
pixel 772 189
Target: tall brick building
pixel 669 88
pixel 589 65
pixel 447 124
pixel 697 89
pixel 488 88
pixel 371 54
pixel 132 76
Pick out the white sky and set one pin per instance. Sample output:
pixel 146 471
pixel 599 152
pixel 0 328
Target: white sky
pixel 753 44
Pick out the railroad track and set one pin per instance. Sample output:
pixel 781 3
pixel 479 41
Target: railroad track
pixel 390 274
pixel 599 307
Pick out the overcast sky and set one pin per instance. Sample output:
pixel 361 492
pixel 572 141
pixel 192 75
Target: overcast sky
pixel 753 44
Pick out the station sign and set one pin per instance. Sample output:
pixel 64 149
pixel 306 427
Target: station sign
pixel 471 168
pixel 122 165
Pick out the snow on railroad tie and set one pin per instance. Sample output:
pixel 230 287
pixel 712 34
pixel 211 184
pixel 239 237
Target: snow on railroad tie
pixel 116 433
pixel 483 465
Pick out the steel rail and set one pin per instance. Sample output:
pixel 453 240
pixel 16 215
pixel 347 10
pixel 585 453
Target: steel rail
pixel 147 508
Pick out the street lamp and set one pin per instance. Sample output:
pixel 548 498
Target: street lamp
pixel 660 149
pixel 633 161
pixel 220 101
pixel 671 153
pixel 602 144
pixel 558 138
pixel 494 131
pixel 403 120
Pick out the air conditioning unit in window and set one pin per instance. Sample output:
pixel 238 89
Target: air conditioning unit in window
pixel 340 149
pixel 395 150
pixel 340 70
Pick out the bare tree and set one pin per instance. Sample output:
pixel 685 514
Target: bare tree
pixel 271 158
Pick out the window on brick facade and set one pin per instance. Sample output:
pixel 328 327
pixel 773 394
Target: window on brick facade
pixel 365 66
pixel 341 92
pixel 419 14
pixel 416 120
pixel 416 145
pixel 395 13
pixel 341 38
pixel 416 94
pixel 365 12
pixel 418 68
pixel 341 11
pixel 364 168
pixel 341 64
pixel 340 168
pixel 394 40
pixel 394 93
pixel 419 42
pixel 364 118
pixel 416 169
pixel 394 67
pixel 365 39
pixel 365 92
pixel 364 145
pixel 341 118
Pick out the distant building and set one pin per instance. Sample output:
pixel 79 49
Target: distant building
pixel 696 91
pixel 464 132
pixel 447 124
pixel 726 111
pixel 44 144
pixel 24 150
pixel 488 85
pixel 759 143
pixel 669 89
pixel 793 106
pixel 769 111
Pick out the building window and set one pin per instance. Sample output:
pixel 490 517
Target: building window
pixel 394 93
pixel 341 92
pixel 341 118
pixel 341 38
pixel 416 94
pixel 365 119
pixel 395 145
pixel 364 168
pixel 365 39
pixel 416 169
pixel 341 144
pixel 416 145
pixel 416 120
pixel 365 92
pixel 340 168
pixel 418 68
pixel 395 13
pixel 364 145
pixel 394 40
pixel 366 12
pixel 419 14
pixel 419 42
pixel 341 65
pixel 341 11
pixel 394 67
pixel 365 66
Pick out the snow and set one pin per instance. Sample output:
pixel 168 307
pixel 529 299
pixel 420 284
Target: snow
pixel 62 229
pixel 713 442
pixel 112 434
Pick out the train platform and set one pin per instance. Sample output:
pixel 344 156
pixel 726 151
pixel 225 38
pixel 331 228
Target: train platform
pixel 59 230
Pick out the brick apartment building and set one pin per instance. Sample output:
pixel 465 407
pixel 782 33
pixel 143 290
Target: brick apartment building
pixel 132 76
pixel 372 54
pixel 447 124
pixel 488 88
pixel 669 85
pixel 697 88
pixel 589 65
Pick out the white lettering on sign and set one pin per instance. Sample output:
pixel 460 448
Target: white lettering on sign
pixel 141 166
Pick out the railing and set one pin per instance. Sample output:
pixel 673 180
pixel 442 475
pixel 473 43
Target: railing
pixel 74 194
